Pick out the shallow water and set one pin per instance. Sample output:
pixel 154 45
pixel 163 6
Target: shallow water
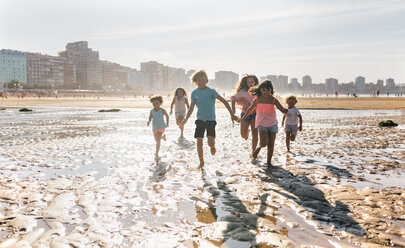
pixel 87 177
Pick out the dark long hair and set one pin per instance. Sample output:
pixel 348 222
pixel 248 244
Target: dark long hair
pixel 266 84
pixel 243 82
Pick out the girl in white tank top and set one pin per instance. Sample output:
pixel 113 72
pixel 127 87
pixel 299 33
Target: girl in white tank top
pixel 180 102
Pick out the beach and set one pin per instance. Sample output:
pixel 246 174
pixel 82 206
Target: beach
pixel 72 176
pixel 381 103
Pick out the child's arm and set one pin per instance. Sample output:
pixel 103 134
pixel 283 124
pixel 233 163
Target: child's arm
pixel 171 106
pixel 150 118
pixel 233 117
pixel 167 117
pixel 300 117
pixel 233 106
pixel 250 110
pixel 280 107
pixel 189 112
pixel 188 106
pixel 284 117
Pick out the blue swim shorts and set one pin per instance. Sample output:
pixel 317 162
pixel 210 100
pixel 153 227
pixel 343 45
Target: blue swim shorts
pixel 271 129
pixel 249 118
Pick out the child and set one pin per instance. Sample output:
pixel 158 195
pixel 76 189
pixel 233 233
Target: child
pixel 158 124
pixel 244 99
pixel 266 120
pixel 204 97
pixel 180 102
pixel 291 121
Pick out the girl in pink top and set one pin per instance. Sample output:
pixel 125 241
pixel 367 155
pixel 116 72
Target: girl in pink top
pixel 266 120
pixel 244 99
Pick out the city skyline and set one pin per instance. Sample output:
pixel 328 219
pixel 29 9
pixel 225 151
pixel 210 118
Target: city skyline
pixel 322 39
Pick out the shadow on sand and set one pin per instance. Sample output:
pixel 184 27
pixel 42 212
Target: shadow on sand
pixel 305 193
pixel 159 172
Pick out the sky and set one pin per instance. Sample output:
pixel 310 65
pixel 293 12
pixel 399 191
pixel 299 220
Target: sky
pixel 321 38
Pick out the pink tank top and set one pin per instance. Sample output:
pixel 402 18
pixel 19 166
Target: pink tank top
pixel 265 114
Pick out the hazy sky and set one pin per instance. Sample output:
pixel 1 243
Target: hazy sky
pixel 340 39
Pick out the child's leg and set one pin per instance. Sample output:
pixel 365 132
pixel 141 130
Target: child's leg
pixel 287 140
pixel 158 137
pixel 292 137
pixel 270 147
pixel 244 129
pixel 210 125
pixel 263 143
pixel 178 121
pixel 254 134
pixel 211 144
pixel 200 150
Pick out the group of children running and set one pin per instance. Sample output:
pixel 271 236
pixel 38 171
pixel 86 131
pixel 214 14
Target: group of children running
pixel 257 103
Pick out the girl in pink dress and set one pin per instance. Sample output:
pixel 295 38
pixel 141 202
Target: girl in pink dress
pixel 266 120
pixel 244 99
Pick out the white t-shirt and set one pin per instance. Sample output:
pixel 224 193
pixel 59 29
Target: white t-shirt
pixel 292 116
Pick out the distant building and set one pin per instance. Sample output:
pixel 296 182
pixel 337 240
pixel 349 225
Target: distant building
pixel 294 85
pixel 380 84
pixel 274 80
pixel 306 83
pixel 155 71
pixel 46 70
pixel 390 84
pixel 225 81
pixel 360 84
pixel 331 85
pixel 13 65
pixel 138 80
pixel 176 77
pixel 88 65
pixel 282 83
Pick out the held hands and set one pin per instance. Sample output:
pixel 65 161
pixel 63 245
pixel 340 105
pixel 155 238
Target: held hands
pixel 234 118
pixel 300 128
pixel 171 112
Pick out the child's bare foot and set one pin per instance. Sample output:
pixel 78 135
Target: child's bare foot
pixel 213 150
pixel 164 137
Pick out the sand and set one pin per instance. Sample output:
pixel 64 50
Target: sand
pixel 80 178
pixel 106 102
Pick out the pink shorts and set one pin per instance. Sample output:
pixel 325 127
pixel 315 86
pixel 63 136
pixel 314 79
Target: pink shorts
pixel 162 130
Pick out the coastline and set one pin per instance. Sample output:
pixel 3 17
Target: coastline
pixel 326 103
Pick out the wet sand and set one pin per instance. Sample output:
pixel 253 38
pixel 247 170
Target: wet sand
pixel 107 102
pixel 76 177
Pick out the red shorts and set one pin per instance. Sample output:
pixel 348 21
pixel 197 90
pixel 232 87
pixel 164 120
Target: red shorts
pixel 162 130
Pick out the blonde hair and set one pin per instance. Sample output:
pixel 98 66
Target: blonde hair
pixel 199 74
pixel 156 97
pixel 291 97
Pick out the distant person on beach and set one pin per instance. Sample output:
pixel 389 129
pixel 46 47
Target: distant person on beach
pixel 204 98
pixel 180 102
pixel 158 123
pixel 291 121
pixel 244 99
pixel 266 120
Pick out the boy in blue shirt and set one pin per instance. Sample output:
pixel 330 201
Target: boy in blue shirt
pixel 204 97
